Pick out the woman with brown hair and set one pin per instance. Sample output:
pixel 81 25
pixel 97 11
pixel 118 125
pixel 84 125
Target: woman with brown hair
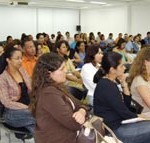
pixel 58 115
pixel 139 80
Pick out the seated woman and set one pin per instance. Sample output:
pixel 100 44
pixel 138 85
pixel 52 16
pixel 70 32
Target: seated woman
pixel 74 81
pixel 1 59
pixel 121 50
pixel 92 63
pixel 57 113
pixel 112 102
pixel 80 49
pixel 139 79
pixel 15 86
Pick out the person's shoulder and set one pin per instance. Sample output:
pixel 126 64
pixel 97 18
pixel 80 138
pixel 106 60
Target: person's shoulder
pixel 3 75
pixel 104 82
pixel 87 66
pixel 50 89
pixel 138 78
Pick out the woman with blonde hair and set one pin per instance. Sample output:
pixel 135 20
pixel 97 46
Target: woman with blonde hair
pixel 139 80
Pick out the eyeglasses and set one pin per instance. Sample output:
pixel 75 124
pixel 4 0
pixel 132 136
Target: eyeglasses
pixel 18 58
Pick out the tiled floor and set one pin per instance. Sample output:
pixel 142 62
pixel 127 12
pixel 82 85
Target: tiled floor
pixel 5 139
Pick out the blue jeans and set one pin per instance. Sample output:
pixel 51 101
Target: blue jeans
pixel 20 118
pixel 138 132
pixel 90 100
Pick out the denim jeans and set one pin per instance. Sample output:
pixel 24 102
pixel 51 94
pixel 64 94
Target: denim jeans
pixel 20 118
pixel 90 100
pixel 138 132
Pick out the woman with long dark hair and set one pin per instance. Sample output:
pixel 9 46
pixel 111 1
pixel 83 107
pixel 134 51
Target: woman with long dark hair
pixel 57 113
pixel 112 101
pixel 15 86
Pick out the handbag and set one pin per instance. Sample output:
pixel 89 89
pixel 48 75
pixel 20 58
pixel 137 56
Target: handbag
pixel 135 107
pixel 93 131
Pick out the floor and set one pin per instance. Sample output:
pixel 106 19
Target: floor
pixel 5 139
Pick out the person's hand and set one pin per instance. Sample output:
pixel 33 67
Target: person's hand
pixel 79 116
pixel 122 80
pixel 80 81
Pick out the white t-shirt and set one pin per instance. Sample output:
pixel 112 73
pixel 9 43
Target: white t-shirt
pixel 87 73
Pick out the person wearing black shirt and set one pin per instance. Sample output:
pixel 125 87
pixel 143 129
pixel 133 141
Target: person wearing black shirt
pixel 112 101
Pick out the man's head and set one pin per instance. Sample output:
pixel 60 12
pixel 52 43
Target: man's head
pixel 29 48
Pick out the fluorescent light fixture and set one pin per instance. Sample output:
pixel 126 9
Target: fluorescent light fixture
pixel 97 2
pixel 75 0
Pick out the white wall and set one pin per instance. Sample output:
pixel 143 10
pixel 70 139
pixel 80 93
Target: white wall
pixel 53 20
pixel 140 22
pixel 105 20
pixel 17 20
pixel 126 19
pixel 14 21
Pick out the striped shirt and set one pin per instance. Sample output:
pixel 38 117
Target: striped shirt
pixel 10 90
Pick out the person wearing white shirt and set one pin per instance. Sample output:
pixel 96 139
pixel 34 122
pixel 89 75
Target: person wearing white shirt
pixel 92 63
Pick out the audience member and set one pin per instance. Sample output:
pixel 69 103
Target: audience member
pixel 92 63
pixel 147 39
pixel 76 39
pixel 80 49
pixel 15 86
pixel 139 80
pixel 29 59
pixel 121 50
pixel 2 67
pixel 40 39
pixel 59 116
pixel 112 102
pixel 74 80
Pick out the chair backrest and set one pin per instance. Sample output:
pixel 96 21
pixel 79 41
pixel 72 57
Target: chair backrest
pixel 78 93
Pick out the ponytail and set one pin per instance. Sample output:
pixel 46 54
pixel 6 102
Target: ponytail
pixel 99 74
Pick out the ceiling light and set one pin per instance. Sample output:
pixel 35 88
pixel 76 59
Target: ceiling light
pixel 75 0
pixel 97 2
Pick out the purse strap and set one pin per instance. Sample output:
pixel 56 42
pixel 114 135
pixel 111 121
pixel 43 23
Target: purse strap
pixel 107 128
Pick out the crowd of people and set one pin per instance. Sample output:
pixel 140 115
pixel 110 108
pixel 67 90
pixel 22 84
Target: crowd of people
pixel 47 85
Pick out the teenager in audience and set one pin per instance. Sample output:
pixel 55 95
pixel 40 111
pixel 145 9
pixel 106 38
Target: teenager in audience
pixel 15 86
pixel 92 63
pixel 112 101
pixel 139 80
pixel 59 116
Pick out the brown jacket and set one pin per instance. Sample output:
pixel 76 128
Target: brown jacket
pixel 54 117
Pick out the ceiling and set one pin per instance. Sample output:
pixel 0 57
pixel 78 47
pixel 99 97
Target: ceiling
pixel 72 4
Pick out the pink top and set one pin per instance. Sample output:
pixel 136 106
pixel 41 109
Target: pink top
pixel 9 89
